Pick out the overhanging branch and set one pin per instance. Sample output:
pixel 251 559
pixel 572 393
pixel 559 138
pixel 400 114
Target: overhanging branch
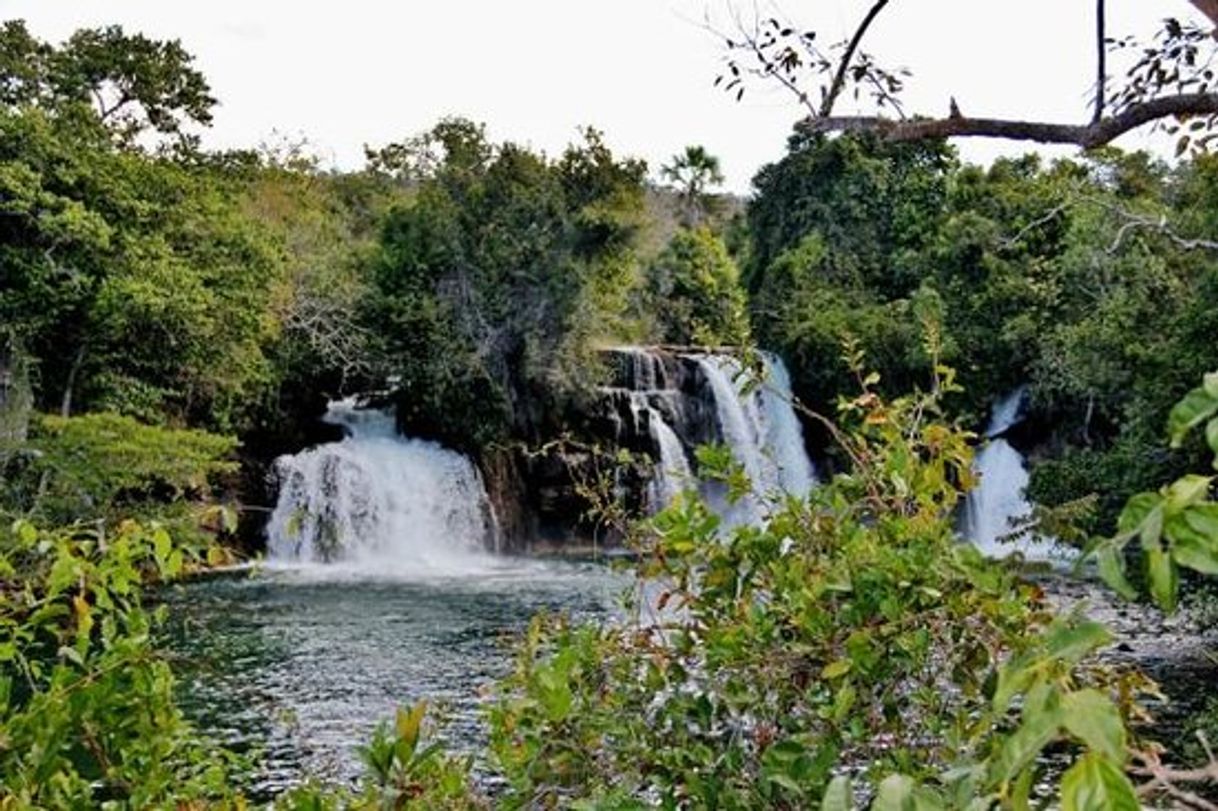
pixel 1209 8
pixel 1087 136
pixel 839 79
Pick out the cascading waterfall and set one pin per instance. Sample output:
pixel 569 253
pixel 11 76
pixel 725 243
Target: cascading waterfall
pixel 762 431
pixel 672 473
pixel 674 400
pixel 784 434
pixel 377 499
pixel 999 500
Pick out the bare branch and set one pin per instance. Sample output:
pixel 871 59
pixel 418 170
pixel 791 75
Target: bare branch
pixel 1164 780
pixel 1129 221
pixel 1101 56
pixel 839 78
pixel 1087 136
pixel 1209 8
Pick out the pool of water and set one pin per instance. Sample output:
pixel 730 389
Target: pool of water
pixel 299 665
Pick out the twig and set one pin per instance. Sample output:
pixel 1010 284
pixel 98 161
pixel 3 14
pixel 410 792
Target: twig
pixel 839 78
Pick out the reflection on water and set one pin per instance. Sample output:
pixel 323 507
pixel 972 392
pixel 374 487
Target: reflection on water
pixel 301 664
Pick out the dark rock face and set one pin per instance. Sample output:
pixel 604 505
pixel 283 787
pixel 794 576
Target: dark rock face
pixel 546 491
pixel 540 497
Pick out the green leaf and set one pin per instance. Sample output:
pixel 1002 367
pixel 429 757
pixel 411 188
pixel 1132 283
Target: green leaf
pixel 1203 518
pixel 1209 384
pixel 786 781
pixel 1194 538
pixel 838 796
pixel 173 566
pixel 1095 784
pixel 1187 490
pixel 1151 532
pixel 408 724
pixel 1092 717
pixel 1072 640
pixel 161 543
pixel 1196 407
pixel 1111 565
pixel 1041 721
pixel 896 794
pixel 1136 510
pixel 835 669
pixel 1164 579
pixel 1211 436
pixel 901 793
pixel 786 751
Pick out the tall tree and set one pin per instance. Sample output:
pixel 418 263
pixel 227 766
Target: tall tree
pixel 693 172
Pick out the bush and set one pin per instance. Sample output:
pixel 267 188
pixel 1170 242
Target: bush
pixel 102 465
pixel 851 636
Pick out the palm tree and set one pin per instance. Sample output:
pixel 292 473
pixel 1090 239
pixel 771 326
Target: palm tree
pixel 693 171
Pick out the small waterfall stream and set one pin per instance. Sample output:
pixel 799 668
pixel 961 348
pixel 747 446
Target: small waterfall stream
pixel 672 473
pixel 378 500
pixel 784 435
pixel 669 391
pixel 999 499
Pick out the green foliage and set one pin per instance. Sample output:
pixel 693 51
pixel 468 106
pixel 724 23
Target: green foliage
pixel 497 276
pixel 693 292
pixel 1083 279
pixel 694 171
pixel 1176 526
pixel 87 713
pixel 850 633
pixel 127 82
pixel 135 282
pixel 99 466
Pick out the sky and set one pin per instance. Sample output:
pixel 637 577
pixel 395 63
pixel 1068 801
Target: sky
pixel 361 72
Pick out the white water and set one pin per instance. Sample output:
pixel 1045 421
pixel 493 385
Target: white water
pixel 381 502
pixel 999 500
pixel 784 434
pixel 672 474
pixel 762 431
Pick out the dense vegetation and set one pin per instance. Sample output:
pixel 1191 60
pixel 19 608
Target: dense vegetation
pixel 1087 280
pixel 171 318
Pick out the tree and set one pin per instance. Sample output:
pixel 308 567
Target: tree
pixel 1170 81
pixel 496 275
pixel 693 171
pixel 133 84
pixel 695 293
pixel 133 280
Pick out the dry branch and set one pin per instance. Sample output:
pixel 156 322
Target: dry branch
pixel 1087 136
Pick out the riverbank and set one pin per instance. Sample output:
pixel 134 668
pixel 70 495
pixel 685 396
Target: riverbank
pixel 1176 651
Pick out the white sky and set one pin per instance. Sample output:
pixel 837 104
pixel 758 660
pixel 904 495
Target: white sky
pixel 346 74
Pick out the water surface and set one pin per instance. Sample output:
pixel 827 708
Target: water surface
pixel 302 663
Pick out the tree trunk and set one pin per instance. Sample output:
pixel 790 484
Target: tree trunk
pixel 65 407
pixel 16 399
pixel 1209 8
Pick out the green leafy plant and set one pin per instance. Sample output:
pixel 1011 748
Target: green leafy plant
pixel 1177 526
pixel 848 649
pixel 87 709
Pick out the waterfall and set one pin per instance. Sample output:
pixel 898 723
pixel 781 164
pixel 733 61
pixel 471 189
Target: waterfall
pixel 669 401
pixel 739 418
pixel 377 499
pixel 784 434
pixel 672 472
pixel 999 498
pixel 762 430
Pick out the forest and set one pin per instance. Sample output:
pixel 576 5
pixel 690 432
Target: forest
pixel 175 319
